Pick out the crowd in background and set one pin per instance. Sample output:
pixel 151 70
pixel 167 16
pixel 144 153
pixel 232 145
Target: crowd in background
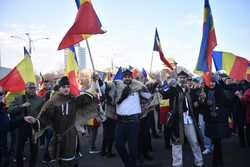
pixel 180 109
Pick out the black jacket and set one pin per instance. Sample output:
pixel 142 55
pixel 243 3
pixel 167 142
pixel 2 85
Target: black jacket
pixel 8 125
pixel 217 116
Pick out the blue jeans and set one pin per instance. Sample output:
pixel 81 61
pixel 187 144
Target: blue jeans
pixel 127 133
pixel 48 134
pixel 207 141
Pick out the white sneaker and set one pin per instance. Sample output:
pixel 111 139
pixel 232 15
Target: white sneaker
pixel 24 159
pixel 206 151
pixel 94 151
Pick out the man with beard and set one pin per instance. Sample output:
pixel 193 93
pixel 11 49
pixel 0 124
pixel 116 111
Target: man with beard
pixel 62 112
pixel 182 121
pixel 23 105
pixel 128 108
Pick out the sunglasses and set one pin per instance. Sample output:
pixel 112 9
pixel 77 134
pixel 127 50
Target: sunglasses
pixel 32 88
pixel 65 86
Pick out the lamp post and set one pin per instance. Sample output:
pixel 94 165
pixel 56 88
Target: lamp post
pixel 30 40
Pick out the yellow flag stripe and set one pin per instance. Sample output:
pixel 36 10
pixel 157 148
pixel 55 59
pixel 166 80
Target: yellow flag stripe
pixel 26 71
pixel 228 60
pixel 71 64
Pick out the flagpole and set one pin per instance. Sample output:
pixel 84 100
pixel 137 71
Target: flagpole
pixel 90 55
pixel 101 113
pixel 151 63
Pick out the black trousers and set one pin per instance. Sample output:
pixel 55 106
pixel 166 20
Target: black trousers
pixel 4 153
pixel 217 153
pixel 127 133
pixel 242 134
pixel 248 134
pixel 48 134
pixel 93 131
pixel 12 135
pixel 151 120
pixel 108 135
pixel 167 137
pixel 144 139
pixel 24 134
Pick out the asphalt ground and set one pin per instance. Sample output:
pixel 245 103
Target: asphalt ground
pixel 234 155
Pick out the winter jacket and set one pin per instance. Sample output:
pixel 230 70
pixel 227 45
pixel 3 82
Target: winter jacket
pixel 246 100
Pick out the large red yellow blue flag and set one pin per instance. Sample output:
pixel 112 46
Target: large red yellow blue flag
pixel 234 66
pixel 71 70
pixel 208 43
pixel 16 79
pixel 86 22
pixel 157 47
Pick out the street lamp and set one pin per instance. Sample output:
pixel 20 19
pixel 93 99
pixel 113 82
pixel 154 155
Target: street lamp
pixel 29 40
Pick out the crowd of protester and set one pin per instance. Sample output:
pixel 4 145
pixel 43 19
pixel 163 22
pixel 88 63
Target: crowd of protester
pixel 200 115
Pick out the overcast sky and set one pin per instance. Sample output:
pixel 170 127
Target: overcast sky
pixel 130 29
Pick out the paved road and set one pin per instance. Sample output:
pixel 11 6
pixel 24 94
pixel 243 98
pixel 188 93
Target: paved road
pixel 234 155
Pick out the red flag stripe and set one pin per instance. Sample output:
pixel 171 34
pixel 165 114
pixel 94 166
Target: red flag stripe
pixel 86 22
pixel 8 84
pixel 73 83
pixel 239 68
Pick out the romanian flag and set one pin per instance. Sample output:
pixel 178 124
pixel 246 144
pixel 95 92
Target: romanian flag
pixel 16 79
pixel 234 66
pixel 71 70
pixel 164 109
pixel 86 24
pixel 93 122
pixel 157 47
pixel 248 73
pixel 42 89
pixel 208 43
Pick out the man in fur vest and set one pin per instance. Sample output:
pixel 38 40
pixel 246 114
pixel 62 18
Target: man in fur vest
pixel 61 112
pixel 182 121
pixel 126 95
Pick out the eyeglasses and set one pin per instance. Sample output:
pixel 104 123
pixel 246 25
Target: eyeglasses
pixel 181 77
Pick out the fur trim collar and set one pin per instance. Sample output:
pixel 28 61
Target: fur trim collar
pixel 58 99
pixel 116 88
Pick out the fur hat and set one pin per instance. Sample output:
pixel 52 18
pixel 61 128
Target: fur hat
pixel 63 81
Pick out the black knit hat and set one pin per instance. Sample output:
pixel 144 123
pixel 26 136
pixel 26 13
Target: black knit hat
pixel 183 73
pixel 63 81
pixel 127 72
